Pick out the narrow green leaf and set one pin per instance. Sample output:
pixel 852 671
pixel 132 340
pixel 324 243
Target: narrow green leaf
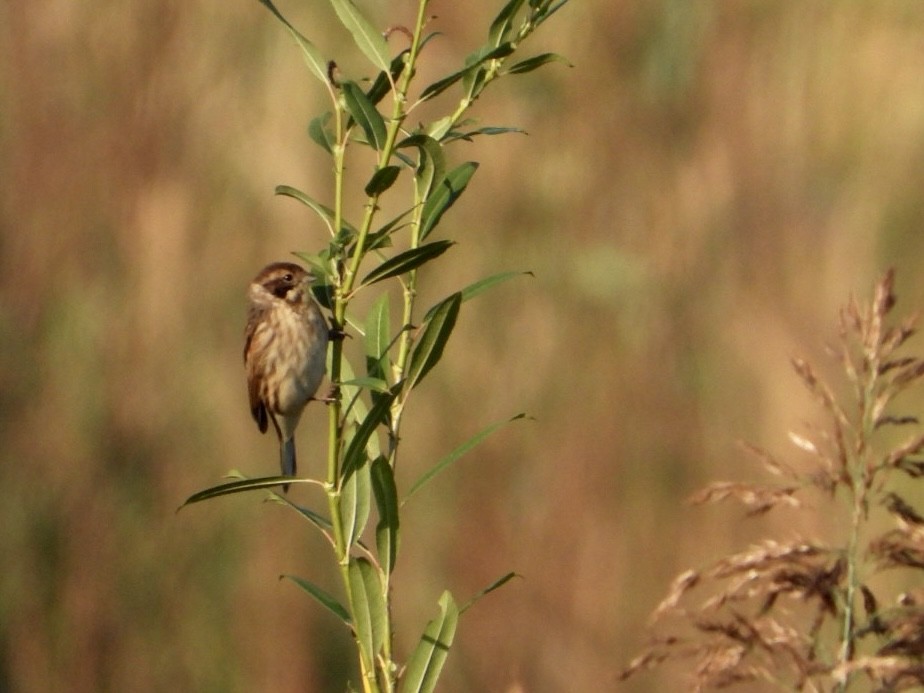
pixel 443 84
pixel 392 225
pixel 341 239
pixel 481 286
pixel 240 486
pixel 362 614
pixel 500 582
pixel 319 131
pixel 427 660
pixel 318 520
pixel 444 195
pixel 470 78
pixel 314 518
pixel 365 114
pixel 531 64
pixel 474 86
pixel 473 63
pixel 368 383
pixel 429 349
pixel 378 328
pixel 313 59
pixel 431 163
pixel 369 41
pixel 548 8
pixel 323 293
pixel 382 85
pixel 318 264
pixel 326 213
pixel 370 619
pixel 429 37
pixel 355 409
pixel 378 337
pixel 486 53
pixel 496 130
pixel 322 597
pixel 381 237
pixel 356 417
pixel 438 128
pixel 386 500
pixel 469 135
pixel 355 499
pixel 406 261
pixel 355 452
pixel 501 24
pixel 458 452
pixel 474 81
pixel 382 180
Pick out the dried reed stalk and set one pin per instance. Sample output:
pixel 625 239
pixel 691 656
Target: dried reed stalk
pixel 802 614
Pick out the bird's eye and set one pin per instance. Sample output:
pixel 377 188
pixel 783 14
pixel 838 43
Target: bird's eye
pixel 288 277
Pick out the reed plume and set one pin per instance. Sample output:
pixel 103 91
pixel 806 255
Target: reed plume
pixel 813 614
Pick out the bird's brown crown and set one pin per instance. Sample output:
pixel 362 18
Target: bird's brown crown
pixel 279 277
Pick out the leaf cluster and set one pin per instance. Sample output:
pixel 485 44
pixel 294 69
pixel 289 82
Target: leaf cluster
pixel 398 349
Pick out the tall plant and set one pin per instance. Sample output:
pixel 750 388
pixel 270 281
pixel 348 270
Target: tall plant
pixel 365 416
pixel 819 614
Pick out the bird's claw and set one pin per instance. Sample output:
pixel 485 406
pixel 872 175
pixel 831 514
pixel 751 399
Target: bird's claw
pixel 333 394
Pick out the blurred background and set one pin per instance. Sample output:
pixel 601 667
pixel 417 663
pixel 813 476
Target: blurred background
pixel 696 197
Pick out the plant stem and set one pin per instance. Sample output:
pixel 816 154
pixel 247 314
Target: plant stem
pixel 859 477
pixel 847 642
pixel 335 430
pixel 346 273
pixel 398 114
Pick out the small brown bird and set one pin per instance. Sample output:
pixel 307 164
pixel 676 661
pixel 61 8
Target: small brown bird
pixel 284 352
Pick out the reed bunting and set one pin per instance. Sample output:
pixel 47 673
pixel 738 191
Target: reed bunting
pixel 284 352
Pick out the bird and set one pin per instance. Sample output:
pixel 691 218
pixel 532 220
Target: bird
pixel 285 351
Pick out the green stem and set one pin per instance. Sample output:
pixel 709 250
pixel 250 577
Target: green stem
pixel 853 582
pixel 859 477
pixel 334 428
pixel 346 273
pixel 398 114
pixel 492 72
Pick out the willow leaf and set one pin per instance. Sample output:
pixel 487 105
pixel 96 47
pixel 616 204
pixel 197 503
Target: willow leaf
pixel 369 41
pixel 458 452
pixel 365 114
pixel 427 660
pixel 407 261
pixel 322 597
pixel 312 55
pixel 429 349
pixel 445 194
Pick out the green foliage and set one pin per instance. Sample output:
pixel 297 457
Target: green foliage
pixel 406 261
pixel 458 452
pixel 369 407
pixel 426 663
pixel 444 195
pixel 322 597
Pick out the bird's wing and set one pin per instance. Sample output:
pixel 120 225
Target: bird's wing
pixel 255 318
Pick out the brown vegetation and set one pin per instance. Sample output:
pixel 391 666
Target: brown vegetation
pixel 787 612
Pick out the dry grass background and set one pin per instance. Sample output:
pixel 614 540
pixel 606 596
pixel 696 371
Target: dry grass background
pixel 695 197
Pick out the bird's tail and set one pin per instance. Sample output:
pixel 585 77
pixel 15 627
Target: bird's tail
pixel 287 458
